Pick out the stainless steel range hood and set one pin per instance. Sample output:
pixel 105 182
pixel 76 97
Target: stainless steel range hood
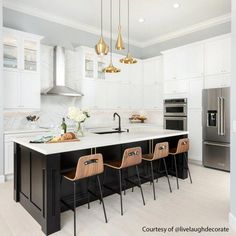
pixel 59 87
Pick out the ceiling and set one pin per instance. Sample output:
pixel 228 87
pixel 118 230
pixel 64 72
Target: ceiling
pixel 162 20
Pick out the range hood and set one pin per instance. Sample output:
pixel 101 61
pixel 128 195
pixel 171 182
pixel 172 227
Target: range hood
pixel 59 87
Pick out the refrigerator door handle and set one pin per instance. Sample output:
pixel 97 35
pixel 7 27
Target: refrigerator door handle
pixel 216 144
pixel 222 125
pixel 219 115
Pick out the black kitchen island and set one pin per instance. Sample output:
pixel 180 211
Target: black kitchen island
pixel 38 185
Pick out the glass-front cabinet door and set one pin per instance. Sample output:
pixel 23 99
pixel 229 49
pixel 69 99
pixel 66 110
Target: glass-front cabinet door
pixel 30 55
pixel 89 65
pixel 100 66
pixel 10 52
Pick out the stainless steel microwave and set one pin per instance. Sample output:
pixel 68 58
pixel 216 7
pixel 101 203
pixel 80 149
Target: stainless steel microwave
pixel 175 107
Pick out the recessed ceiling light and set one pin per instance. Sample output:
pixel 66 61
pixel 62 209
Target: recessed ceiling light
pixel 141 20
pixel 176 5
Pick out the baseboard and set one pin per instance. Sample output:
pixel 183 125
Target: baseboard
pixel 2 179
pixel 195 162
pixel 232 221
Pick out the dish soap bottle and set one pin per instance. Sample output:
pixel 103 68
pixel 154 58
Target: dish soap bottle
pixel 63 126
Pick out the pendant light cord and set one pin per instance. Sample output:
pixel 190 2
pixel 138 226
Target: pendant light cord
pixel 119 13
pixel 128 26
pixel 111 29
pixel 101 18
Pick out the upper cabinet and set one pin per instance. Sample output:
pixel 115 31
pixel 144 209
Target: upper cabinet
pixel 218 56
pixel 153 71
pixel 21 65
pixel 153 83
pixel 184 63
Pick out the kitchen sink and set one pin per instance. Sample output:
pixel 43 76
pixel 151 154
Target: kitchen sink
pixel 109 132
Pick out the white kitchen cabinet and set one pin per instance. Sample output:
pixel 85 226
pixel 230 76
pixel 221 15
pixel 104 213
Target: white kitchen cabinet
pixel 218 56
pixel 124 96
pixel 176 87
pixel 135 97
pixel 184 62
pixel 21 90
pixel 152 71
pixel 135 73
pixel 30 91
pixel 21 69
pixel 9 148
pixel 195 135
pixel 195 93
pixel 113 95
pixel 8 157
pixel 99 94
pixel 217 81
pixel 152 97
pixel 194 61
pixel 88 90
pixel 11 89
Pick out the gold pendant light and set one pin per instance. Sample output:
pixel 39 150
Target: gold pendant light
pixel 129 58
pixel 111 68
pixel 101 47
pixel 119 42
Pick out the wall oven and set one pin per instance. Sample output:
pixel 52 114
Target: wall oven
pixel 175 123
pixel 175 114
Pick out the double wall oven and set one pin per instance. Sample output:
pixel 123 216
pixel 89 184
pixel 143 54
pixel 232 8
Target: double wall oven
pixel 175 114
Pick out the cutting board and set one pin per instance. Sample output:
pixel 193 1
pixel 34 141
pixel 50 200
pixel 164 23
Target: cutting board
pixel 65 141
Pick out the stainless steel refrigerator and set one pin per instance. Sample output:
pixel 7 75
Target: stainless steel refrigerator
pixel 216 128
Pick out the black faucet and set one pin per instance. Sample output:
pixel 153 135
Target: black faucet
pixel 114 117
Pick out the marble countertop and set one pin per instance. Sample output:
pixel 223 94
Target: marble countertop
pixel 91 140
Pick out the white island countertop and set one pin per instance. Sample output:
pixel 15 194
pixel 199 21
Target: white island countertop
pixel 91 140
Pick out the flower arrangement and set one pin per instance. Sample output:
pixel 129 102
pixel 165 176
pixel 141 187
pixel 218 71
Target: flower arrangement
pixel 79 116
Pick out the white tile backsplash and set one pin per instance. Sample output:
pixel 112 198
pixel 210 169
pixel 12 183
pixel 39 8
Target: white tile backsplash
pixel 54 108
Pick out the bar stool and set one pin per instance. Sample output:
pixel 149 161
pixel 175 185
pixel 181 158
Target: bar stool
pixel 182 148
pixel 87 166
pixel 161 151
pixel 131 157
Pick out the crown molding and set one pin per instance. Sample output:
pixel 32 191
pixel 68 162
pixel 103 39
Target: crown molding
pixel 93 30
pixel 194 28
pixel 60 20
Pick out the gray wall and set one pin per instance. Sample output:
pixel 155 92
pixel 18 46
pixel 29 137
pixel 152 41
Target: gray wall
pixel 233 119
pixel 155 50
pixel 1 96
pixel 55 34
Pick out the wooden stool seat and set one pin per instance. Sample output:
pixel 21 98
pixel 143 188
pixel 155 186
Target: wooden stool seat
pixel 131 157
pixel 172 151
pixel 160 153
pixel 182 147
pixel 70 175
pixel 116 164
pixel 87 166
pixel 147 157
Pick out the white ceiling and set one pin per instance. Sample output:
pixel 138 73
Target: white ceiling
pixel 162 21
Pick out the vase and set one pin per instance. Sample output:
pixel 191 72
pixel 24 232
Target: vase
pixel 79 130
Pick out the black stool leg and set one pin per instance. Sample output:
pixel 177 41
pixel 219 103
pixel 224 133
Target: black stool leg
pixel 104 177
pixel 88 196
pixel 153 184
pixel 140 186
pixel 122 179
pixel 185 158
pixel 167 174
pixel 121 202
pixel 100 189
pixel 74 208
pixel 176 172
pixel 158 169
